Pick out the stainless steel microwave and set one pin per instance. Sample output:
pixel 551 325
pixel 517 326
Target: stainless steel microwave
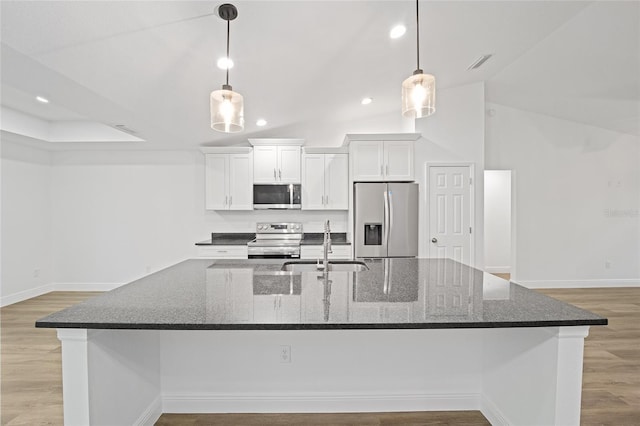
pixel 277 196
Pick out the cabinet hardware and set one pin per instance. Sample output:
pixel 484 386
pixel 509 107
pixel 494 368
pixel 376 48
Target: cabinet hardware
pixel 387 170
pixel 327 202
pixel 274 174
pixel 230 198
pixel 382 170
pixel 225 200
pixel 222 251
pixel 280 173
pixel 279 301
pixel 275 301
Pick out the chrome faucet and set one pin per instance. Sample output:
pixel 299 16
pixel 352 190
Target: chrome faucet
pixel 327 246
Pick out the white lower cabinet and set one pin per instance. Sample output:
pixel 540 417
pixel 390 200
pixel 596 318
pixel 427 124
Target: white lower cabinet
pixel 276 308
pixel 229 295
pixel 223 252
pixel 342 251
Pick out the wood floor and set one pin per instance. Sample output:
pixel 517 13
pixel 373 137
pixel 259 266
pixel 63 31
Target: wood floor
pixel 31 388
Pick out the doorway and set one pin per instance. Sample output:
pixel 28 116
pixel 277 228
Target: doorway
pixel 498 222
pixel 450 206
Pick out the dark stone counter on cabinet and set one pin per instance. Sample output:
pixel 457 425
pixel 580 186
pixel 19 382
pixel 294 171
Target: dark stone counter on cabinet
pixel 317 238
pixel 227 239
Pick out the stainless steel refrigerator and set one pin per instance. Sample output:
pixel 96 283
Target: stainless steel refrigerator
pixel 386 219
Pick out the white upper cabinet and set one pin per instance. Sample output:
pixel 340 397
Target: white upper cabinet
pixel 276 160
pixel 325 183
pixel 367 159
pixel 229 181
pixel 313 182
pixel 398 160
pixel 382 160
pixel 265 164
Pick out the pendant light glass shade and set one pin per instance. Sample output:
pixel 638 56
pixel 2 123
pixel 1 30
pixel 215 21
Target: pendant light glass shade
pixel 419 90
pixel 227 110
pixel 227 106
pixel 419 95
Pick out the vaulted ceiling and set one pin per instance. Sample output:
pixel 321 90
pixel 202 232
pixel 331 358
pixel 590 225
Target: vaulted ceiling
pixel 150 65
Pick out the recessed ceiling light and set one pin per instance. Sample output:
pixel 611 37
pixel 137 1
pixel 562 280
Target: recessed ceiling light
pixel 366 101
pixel 261 122
pixel 224 63
pixel 41 99
pixel 397 31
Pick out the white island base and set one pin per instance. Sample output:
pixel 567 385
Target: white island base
pixel 514 376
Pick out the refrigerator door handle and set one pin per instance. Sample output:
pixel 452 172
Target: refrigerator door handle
pixel 390 201
pixel 386 225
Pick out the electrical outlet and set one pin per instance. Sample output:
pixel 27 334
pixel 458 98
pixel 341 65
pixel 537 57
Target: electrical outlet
pixel 607 264
pixel 285 353
pixel 36 273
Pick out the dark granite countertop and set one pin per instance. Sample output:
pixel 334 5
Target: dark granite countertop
pixel 228 239
pixel 239 239
pixel 392 294
pixel 317 238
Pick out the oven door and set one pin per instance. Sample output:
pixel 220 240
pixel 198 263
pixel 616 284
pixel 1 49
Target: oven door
pixel 274 252
pixel 277 196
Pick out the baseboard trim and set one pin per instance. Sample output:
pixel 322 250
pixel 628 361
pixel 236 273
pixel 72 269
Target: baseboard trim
pixel 492 412
pixel 151 415
pixel 26 294
pixel 604 283
pixel 316 403
pixel 498 269
pixel 85 286
pixel 48 288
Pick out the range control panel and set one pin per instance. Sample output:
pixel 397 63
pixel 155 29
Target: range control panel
pixel 279 228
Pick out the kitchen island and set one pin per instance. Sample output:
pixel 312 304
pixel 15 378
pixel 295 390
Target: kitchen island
pixel 244 336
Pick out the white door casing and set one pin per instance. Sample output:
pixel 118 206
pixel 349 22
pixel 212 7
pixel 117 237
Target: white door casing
pixel 450 211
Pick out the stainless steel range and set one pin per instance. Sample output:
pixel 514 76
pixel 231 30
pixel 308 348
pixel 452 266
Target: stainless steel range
pixel 276 241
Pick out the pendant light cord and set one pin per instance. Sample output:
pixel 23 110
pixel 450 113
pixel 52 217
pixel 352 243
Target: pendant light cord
pixel 228 25
pixel 417 37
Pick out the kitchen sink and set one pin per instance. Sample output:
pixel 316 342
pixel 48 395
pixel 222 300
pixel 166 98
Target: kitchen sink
pixel 334 265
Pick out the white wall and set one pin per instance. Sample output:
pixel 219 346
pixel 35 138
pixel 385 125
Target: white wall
pixel 119 215
pixel 454 134
pixel 497 220
pixel 26 222
pixel 577 198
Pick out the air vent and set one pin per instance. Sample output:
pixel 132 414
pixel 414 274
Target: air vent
pixel 478 62
pixel 124 128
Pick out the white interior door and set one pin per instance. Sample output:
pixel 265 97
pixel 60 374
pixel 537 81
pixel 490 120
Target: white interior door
pixel 450 213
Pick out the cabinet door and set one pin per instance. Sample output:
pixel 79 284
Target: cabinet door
pixel 265 308
pixel 367 159
pixel 240 295
pixel 313 194
pixel 240 182
pixel 289 164
pixel 216 166
pixel 336 181
pixel 289 308
pixel 265 164
pixel 398 160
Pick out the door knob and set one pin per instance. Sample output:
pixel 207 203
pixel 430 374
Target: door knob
pixel 434 240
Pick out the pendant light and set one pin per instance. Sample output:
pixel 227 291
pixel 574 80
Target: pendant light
pixel 419 90
pixel 227 106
